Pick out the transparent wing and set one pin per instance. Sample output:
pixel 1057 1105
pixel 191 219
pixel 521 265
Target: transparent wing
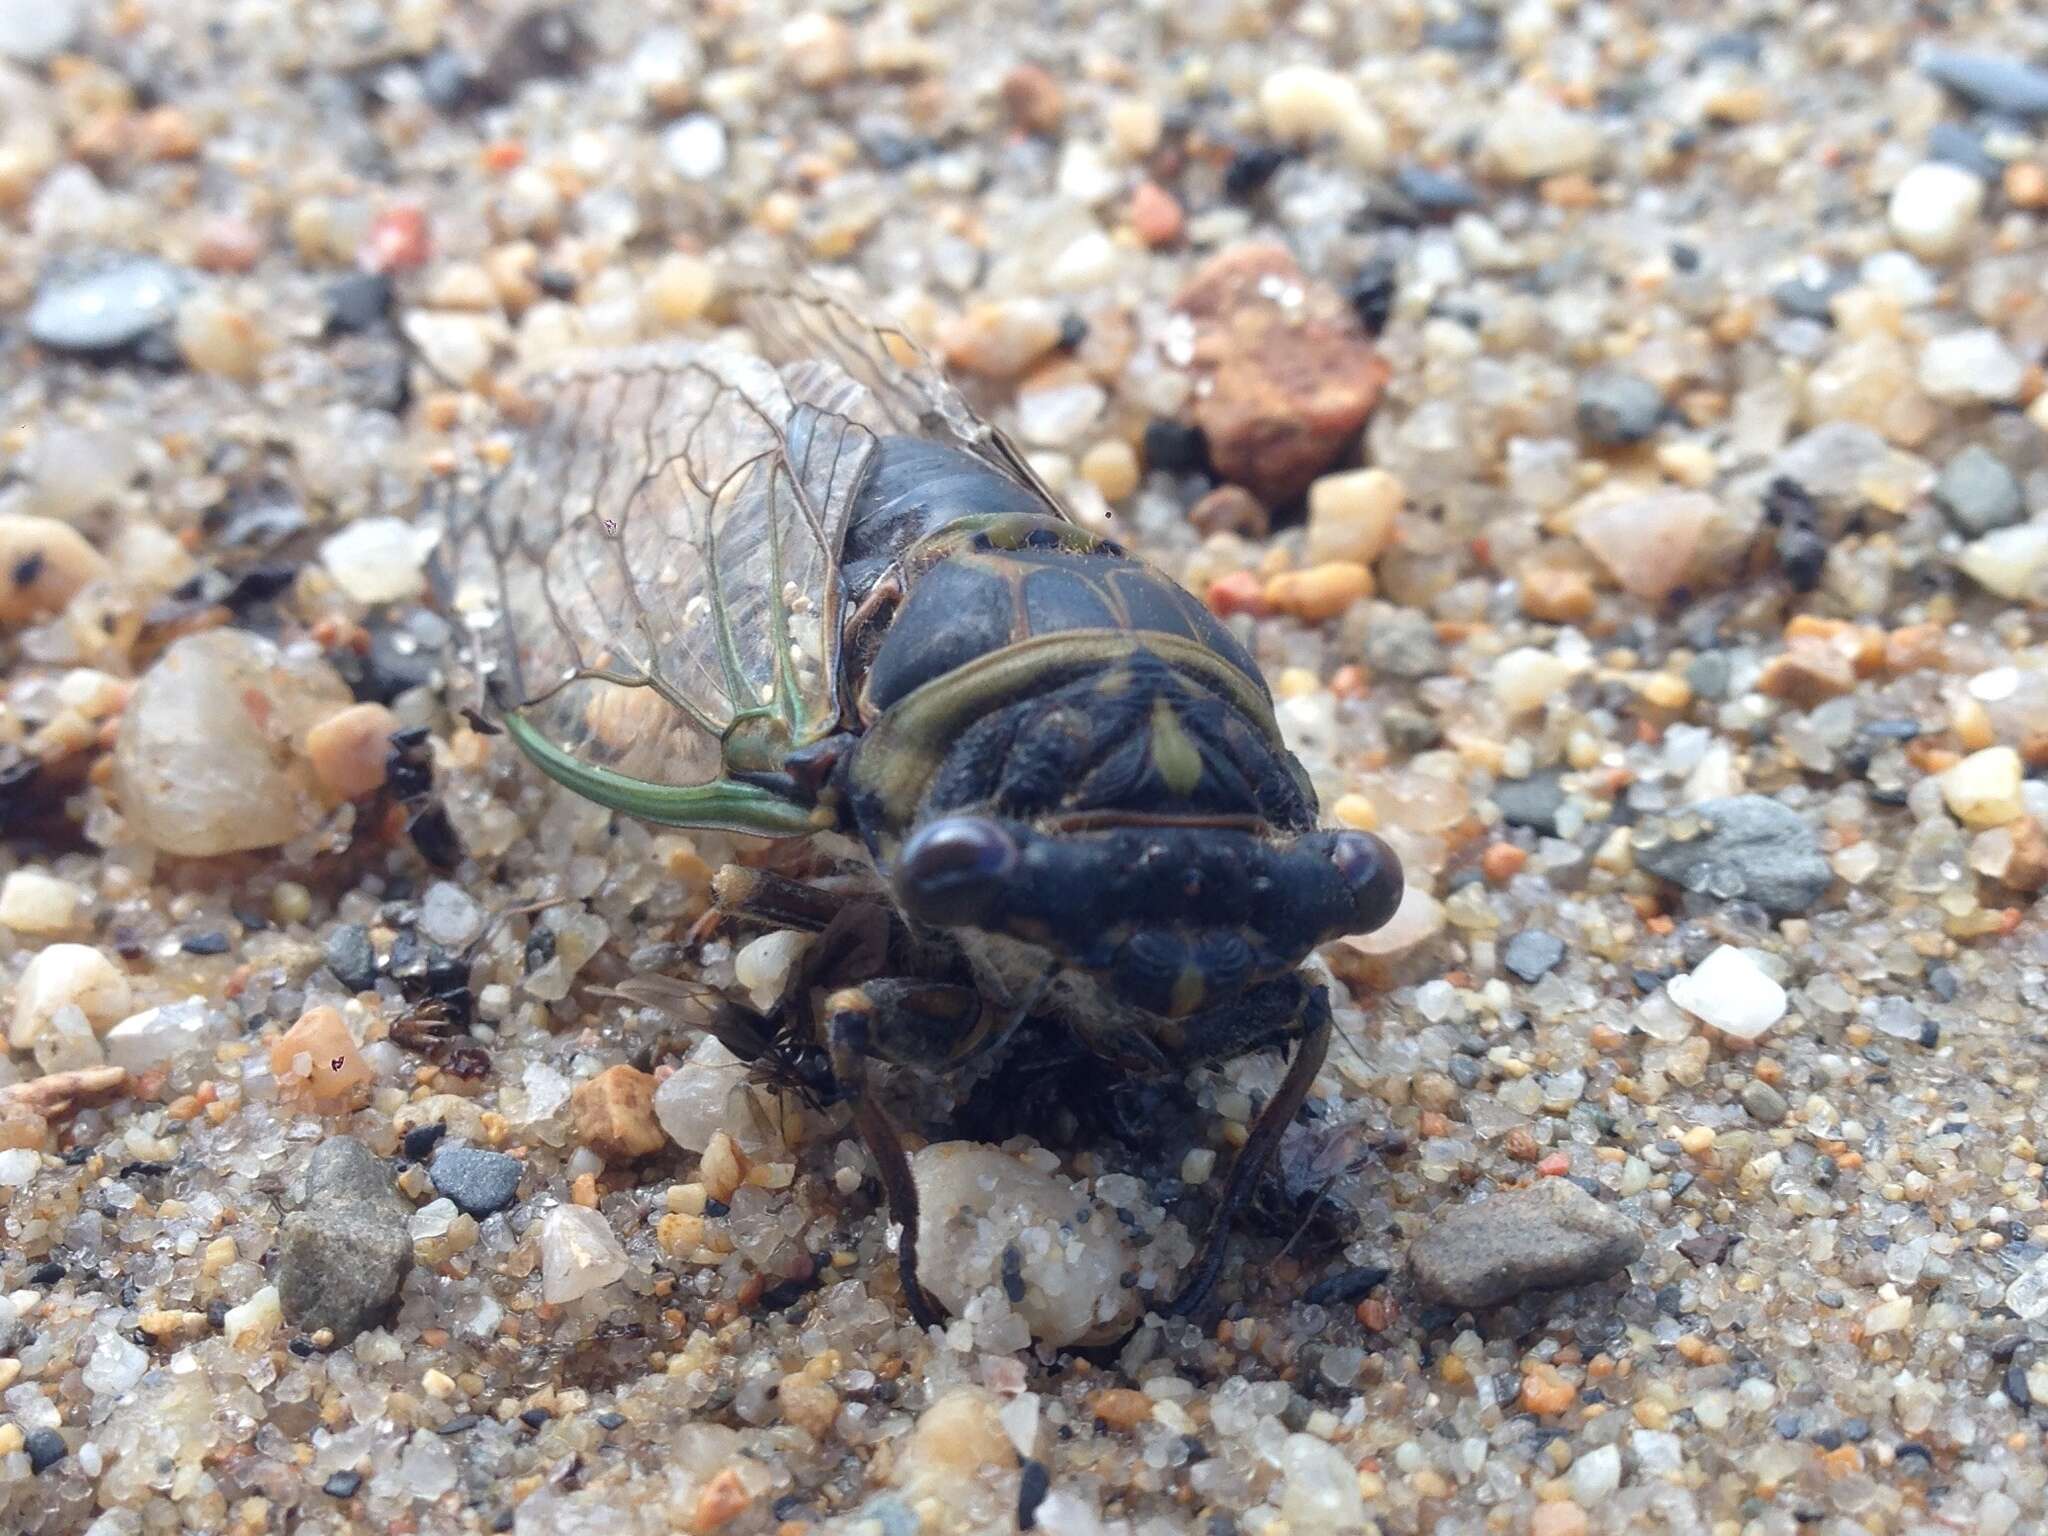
pixel 796 318
pixel 650 579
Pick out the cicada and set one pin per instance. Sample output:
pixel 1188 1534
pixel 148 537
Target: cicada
pixel 802 587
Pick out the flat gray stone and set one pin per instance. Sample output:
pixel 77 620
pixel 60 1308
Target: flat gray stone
pixel 1978 492
pixel 1543 1238
pixel 479 1182
pixel 1744 848
pixel 1617 407
pixel 106 306
pixel 1994 80
pixel 342 1258
pixel 1532 955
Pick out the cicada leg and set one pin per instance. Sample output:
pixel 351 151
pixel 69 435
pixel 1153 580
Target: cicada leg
pixel 1317 1025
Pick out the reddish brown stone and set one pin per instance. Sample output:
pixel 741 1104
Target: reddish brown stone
pixel 1282 388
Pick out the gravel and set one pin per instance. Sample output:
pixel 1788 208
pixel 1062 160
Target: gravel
pixel 266 282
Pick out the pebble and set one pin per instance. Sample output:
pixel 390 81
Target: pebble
pixel 216 335
pixel 1530 137
pixel 955 1444
pixel 1532 955
pixel 1156 215
pixel 1997 81
pixel 1319 1494
pixel 1763 1103
pixel 704 1096
pixel 1730 991
pixel 450 916
pixel 36 31
pixel 976 1203
pixel 1351 515
pixel 1435 193
pixel 67 976
pixel 107 305
pixel 379 559
pixel 1532 802
pixel 1283 388
pixel 1306 102
pixel 456 346
pixel 350 750
pixel 1402 643
pixel 1933 209
pixel 1111 466
pixel 36 903
pixel 158 1036
pixel 579 1254
pixel 1983 790
pixel 1978 492
pixel 1550 1235
pixel 817 49
pixel 318 1056
pixel 1616 407
pixel 1647 543
pixel 2009 561
pixel 47 563
pixel 1526 679
pixel 1971 365
pixel 1743 848
pixel 681 288
pixel 206 761
pixel 45 1448
pixel 351 957
pixel 481 1183
pixel 613 1114
pixel 1321 592
pixel 1001 340
pixel 358 302
pixel 343 1256
pixel 1596 1475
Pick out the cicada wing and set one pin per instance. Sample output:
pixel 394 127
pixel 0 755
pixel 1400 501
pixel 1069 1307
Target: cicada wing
pixel 650 580
pixel 796 317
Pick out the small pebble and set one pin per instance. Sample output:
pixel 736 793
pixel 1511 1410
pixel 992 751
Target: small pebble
pixel 319 1057
pixel 1533 954
pixel 1617 408
pixel 61 976
pixel 1978 492
pixel 1983 790
pixel 1550 1235
pixel 579 1253
pixel 1730 991
pixel 481 1183
pixel 106 306
pixel 43 565
pixel 342 1258
pixel 45 1449
pixel 36 903
pixel 1998 81
pixel 1351 515
pixel 1308 102
pixel 1746 847
pixel 613 1115
pixel 1971 365
pixel 1933 209
pixel 350 749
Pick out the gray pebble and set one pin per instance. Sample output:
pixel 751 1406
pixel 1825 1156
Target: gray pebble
pixel 1532 802
pixel 1409 730
pixel 1765 1105
pixel 1747 848
pixel 1616 407
pixel 1956 145
pixel 342 1258
pixel 1532 955
pixel 1994 80
pixel 351 957
pixel 1978 492
pixel 1402 643
pixel 1549 1235
pixel 1709 674
pixel 479 1182
pixel 36 31
pixel 105 307
pixel 1434 192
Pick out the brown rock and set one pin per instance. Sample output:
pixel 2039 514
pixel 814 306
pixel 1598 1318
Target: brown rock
pixel 1282 388
pixel 1230 509
pixel 2027 870
pixel 332 1067
pixel 349 749
pixel 613 1115
pixel 1556 595
pixel 1807 673
pixel 1121 1407
pixel 1033 98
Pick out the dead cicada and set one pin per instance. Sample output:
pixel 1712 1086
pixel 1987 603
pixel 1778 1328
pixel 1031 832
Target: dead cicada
pixel 806 588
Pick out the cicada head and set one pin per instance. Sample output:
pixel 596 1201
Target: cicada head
pixel 1173 919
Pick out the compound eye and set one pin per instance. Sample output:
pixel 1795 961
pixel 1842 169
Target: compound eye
pixel 1371 872
pixel 951 872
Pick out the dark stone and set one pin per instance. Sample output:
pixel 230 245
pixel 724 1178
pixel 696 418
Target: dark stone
pixel 1470 31
pixel 447 80
pixel 1953 144
pixel 343 1256
pixel 1708 1247
pixel 1616 407
pixel 102 307
pixel 1810 295
pixel 352 958
pixel 1978 492
pixel 1436 193
pixel 1250 169
pixel 45 1449
pixel 610 1418
pixel 421 1140
pixel 1372 291
pixel 359 302
pixel 1346 1286
pixel 2016 1386
pixel 212 942
pixel 1763 1103
pixel 434 835
pixel 1746 848
pixel 1403 644
pixel 1802 556
pixel 1994 80
pixel 481 1183
pixel 1532 955
pixel 1550 1235
pixel 1176 447
pixel 342 1485
pixel 1532 802
pixel 543 44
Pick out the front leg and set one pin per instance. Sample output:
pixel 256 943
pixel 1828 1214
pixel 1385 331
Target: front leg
pixel 909 1023
pixel 1316 1024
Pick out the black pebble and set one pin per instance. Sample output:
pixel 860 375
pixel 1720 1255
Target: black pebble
pixel 434 835
pixel 1371 293
pixel 1176 447
pixel 45 1449
pixel 46 1274
pixel 1032 1488
pixel 358 303
pixel 1346 1286
pixel 419 1141
pixel 1803 555
pixel 1250 170
pixel 533 1418
pixel 342 1485
pixel 2016 1386
pixel 610 1419
pixel 352 958
pixel 461 1422
pixel 212 942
